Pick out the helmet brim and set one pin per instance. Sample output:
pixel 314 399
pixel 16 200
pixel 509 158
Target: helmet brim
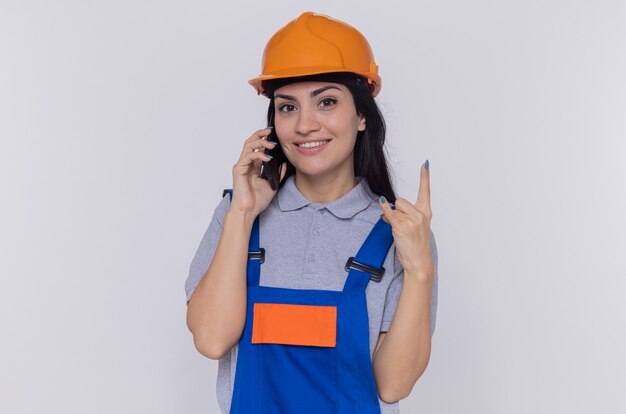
pixel 257 82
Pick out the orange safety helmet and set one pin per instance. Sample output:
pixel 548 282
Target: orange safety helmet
pixel 315 43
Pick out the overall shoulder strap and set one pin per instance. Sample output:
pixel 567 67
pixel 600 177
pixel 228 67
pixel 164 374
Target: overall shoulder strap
pixel 369 260
pixel 256 254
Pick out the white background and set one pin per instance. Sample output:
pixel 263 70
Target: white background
pixel 120 122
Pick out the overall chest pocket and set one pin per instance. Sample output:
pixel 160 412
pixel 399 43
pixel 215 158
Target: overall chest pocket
pixel 297 364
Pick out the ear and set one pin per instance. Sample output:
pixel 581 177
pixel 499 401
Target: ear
pixel 361 123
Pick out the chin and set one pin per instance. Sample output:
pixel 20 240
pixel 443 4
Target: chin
pixel 319 172
pixel 318 168
pixel 310 169
pixel 312 172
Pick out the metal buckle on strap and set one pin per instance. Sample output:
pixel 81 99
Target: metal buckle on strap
pixel 377 274
pixel 257 255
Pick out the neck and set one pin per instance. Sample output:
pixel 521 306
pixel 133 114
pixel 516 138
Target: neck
pixel 323 190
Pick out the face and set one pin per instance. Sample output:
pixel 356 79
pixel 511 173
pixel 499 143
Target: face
pixel 316 124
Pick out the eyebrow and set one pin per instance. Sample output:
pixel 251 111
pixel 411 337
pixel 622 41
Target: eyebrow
pixel 313 93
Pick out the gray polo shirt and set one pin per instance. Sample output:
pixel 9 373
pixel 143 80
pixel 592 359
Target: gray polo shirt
pixel 306 246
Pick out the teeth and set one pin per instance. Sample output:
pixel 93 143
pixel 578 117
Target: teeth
pixel 312 144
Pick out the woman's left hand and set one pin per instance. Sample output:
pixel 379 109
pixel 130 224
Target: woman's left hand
pixel 410 224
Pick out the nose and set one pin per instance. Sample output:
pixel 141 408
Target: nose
pixel 307 121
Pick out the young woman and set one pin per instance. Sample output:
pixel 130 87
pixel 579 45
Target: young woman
pixel 319 296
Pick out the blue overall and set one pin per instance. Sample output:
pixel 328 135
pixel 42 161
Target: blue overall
pixel 283 378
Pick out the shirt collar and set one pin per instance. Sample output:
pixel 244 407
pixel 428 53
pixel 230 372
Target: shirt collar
pixel 347 206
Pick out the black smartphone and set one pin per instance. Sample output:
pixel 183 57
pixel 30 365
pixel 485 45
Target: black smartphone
pixel 269 169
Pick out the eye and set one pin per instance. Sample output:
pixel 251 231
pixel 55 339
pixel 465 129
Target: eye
pixel 328 102
pixel 286 108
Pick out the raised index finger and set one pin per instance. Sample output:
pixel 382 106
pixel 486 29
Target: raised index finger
pixel 423 196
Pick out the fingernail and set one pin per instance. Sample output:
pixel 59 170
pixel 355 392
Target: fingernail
pixel 268 156
pixel 427 164
pixel 383 199
pixel 269 127
pixel 272 142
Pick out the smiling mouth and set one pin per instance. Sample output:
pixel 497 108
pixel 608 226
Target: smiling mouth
pixel 313 144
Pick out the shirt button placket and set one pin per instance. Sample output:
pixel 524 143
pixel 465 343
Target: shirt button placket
pixel 316 230
pixel 309 264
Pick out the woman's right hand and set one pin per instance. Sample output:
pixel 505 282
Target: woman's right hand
pixel 251 193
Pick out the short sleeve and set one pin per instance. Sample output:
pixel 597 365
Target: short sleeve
pixel 204 254
pixel 395 288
